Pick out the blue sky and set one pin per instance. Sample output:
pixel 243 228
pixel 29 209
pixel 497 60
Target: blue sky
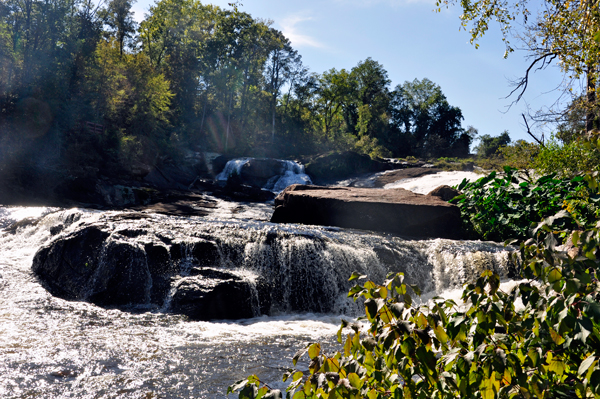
pixel 411 41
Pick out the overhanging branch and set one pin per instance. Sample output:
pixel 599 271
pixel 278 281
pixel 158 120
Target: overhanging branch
pixel 522 84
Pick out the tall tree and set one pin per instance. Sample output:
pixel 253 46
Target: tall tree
pixel 278 70
pixel 430 124
pixel 119 17
pixel 372 98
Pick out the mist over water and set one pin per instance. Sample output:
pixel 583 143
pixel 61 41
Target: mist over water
pixel 53 348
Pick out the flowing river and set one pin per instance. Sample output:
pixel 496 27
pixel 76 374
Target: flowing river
pixel 53 348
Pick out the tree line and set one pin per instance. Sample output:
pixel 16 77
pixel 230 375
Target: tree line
pixel 83 84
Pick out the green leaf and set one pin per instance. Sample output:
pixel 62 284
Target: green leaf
pixel 298 355
pixel 355 380
pixel 314 350
pixel 489 387
pixel 554 275
pixel 356 275
pixel 592 308
pixel 595 381
pixel 573 286
pixel 299 395
pixel 585 365
pixel 238 385
pixel 371 308
pixel 273 394
pixel 262 392
pixel 585 328
pixel 416 289
pixel 397 309
pixel 557 366
pixel 558 340
pixel 249 392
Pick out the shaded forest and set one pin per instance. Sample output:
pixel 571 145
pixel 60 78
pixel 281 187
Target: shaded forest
pixel 85 89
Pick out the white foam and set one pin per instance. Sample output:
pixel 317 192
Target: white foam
pixel 425 184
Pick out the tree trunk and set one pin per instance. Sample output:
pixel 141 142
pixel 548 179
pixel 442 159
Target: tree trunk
pixel 591 119
pixel 228 122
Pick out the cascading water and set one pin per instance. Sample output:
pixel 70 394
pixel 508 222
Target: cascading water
pixel 288 173
pixel 232 167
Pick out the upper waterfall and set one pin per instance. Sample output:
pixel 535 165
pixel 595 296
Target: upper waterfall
pixel 270 174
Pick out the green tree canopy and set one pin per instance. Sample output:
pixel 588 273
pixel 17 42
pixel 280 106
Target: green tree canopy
pixel 422 115
pixel 119 18
pixel 489 146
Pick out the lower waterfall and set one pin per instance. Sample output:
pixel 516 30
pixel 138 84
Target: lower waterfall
pixel 52 347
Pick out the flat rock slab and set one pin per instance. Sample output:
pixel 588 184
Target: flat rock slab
pixel 396 211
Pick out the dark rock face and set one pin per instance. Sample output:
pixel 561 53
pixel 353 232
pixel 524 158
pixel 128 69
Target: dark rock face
pixel 257 171
pixel 218 164
pixel 395 211
pixel 345 164
pixel 114 269
pixel 213 293
pixel 83 266
pixel 68 266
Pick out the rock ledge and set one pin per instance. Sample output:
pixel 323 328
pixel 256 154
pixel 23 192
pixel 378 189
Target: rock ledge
pixel 396 211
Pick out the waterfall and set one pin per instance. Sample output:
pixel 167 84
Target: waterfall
pixel 232 167
pixel 283 268
pixel 287 173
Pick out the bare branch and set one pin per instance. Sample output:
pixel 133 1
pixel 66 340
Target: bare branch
pixel 545 59
pixel 539 141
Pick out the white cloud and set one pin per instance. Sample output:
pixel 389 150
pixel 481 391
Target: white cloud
pixel 291 30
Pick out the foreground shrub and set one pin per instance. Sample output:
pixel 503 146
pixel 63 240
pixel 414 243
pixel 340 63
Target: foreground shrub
pixel 502 206
pixel 520 155
pixel 540 339
pixel 569 159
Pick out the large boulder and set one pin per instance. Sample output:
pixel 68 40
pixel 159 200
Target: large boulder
pixel 445 192
pixel 258 171
pixel 134 266
pixel 393 176
pixel 395 211
pixel 211 293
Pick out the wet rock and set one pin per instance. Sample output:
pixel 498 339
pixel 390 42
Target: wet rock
pixel 203 253
pixel 161 268
pixel 64 373
pixel 408 173
pixel 118 276
pixel 67 265
pixel 214 294
pixel 243 192
pixel 218 164
pixel 257 171
pixel 211 270
pixel 395 211
pixel 133 266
